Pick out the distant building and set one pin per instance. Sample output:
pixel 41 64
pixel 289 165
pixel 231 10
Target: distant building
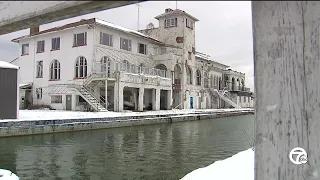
pixel 93 64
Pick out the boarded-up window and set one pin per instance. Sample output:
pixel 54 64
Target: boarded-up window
pixel 198 73
pixel 39 69
pixel 142 48
pixel 55 43
pixel 106 39
pixel 189 75
pixel 24 49
pixel 40 46
pixel 39 93
pixel 57 99
pixel 80 39
pixel 172 22
pixel 189 23
pixel 125 44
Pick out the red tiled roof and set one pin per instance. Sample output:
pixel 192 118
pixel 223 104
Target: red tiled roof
pixel 59 28
pixel 84 22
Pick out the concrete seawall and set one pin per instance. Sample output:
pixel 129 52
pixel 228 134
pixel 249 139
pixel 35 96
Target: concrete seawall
pixel 33 127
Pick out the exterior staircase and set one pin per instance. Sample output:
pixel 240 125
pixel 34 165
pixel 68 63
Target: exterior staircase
pixel 87 94
pixel 222 94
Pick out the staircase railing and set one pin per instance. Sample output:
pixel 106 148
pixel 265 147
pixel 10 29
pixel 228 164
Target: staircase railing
pixel 80 84
pixel 224 96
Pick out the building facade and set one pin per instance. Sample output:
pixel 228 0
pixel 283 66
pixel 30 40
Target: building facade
pixel 95 65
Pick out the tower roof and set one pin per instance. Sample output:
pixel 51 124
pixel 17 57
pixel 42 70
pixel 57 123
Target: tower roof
pixel 169 12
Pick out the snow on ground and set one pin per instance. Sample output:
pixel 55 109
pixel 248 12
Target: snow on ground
pixel 7 175
pixel 54 114
pixel 239 166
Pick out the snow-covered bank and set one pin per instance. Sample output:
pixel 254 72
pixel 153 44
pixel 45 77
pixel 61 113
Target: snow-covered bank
pixel 50 114
pixel 239 166
pixel 8 175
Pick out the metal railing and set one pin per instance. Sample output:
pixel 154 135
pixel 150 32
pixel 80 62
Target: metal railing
pixel 78 85
pixel 166 50
pixel 110 68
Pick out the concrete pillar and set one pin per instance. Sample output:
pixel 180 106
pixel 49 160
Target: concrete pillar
pixel 135 99
pixel 153 99
pixel 140 101
pixel 97 92
pixel 118 97
pixel 157 99
pixel 74 102
pixel 183 87
pixel 106 93
pixel 169 99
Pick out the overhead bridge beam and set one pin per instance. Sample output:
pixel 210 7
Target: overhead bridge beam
pixel 19 15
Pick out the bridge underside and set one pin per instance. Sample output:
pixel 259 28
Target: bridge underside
pixel 19 15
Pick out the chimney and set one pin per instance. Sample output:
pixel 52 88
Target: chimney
pixel 34 30
pixel 168 10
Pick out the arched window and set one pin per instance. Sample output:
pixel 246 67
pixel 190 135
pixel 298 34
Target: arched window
pixel 206 82
pixel 198 78
pixel 55 70
pixel 189 75
pixel 81 67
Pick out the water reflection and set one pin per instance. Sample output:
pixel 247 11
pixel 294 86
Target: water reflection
pixel 166 151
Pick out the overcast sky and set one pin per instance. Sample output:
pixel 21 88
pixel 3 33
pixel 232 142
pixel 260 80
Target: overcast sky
pixel 224 29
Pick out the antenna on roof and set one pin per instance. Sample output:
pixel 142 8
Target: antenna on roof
pixel 138 23
pixel 176 4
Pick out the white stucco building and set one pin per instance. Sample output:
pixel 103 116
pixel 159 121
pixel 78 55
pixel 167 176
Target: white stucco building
pixel 93 64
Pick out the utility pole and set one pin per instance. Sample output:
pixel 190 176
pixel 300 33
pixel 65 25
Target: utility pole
pixel 138 23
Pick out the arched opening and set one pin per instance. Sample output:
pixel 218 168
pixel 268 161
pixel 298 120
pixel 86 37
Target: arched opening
pixel 198 77
pixel 205 80
pixel 176 95
pixel 163 69
pixel 242 84
pixel 239 84
pixel 226 80
pixel 81 67
pixel 189 75
pixel 177 74
pixel 233 84
pixel 55 70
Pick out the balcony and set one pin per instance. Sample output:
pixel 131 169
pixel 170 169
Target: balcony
pixel 239 88
pixel 166 53
pixel 109 69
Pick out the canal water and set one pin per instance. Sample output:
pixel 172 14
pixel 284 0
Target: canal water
pixel 153 152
